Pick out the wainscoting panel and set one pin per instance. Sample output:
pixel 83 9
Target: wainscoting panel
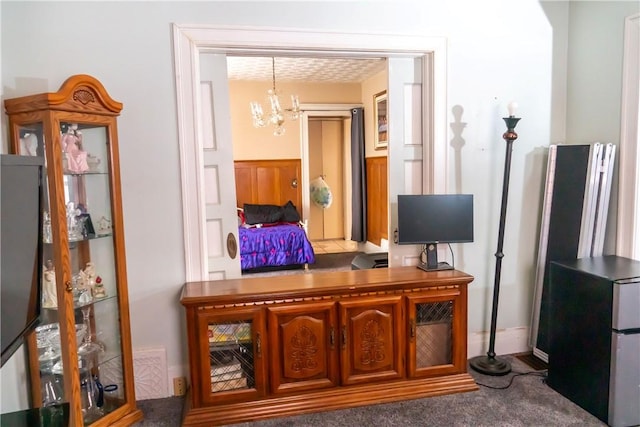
pixel 377 200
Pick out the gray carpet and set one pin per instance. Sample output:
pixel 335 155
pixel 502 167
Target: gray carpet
pixel 528 401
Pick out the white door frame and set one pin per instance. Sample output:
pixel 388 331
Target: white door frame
pixel 308 111
pixel 190 40
pixel 628 227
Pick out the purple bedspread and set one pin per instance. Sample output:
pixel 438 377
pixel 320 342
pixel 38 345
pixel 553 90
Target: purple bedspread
pixel 274 246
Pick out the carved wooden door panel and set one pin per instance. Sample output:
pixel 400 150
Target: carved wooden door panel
pixel 371 339
pixel 303 347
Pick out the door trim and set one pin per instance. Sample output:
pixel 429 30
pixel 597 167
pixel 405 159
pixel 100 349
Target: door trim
pixel 191 40
pixel 308 111
pixel 628 244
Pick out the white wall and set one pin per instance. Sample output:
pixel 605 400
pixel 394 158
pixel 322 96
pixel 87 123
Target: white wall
pixel 596 31
pixel 497 51
pixel 558 15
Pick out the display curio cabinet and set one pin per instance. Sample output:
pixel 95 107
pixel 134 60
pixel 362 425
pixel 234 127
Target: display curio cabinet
pixel 80 354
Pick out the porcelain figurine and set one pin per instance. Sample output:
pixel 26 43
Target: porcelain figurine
pixel 104 225
pixel 72 145
pixel 98 289
pixel 49 291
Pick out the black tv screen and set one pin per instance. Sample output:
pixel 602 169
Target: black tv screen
pixel 20 250
pixel 435 218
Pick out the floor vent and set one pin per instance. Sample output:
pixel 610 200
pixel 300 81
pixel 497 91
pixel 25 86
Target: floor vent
pixel 532 361
pixel 150 373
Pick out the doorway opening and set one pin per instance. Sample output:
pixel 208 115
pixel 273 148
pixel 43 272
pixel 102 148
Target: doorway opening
pixel 210 252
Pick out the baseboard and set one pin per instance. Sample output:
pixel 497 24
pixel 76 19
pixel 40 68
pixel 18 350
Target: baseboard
pixel 508 341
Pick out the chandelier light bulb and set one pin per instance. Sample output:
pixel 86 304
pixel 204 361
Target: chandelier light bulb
pixel 512 107
pixel 276 115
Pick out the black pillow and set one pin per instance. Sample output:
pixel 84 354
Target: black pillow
pixel 290 213
pixel 262 214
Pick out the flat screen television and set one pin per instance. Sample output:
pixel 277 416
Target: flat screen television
pixel 21 195
pixel 429 219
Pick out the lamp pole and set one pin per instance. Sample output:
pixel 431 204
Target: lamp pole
pixel 490 364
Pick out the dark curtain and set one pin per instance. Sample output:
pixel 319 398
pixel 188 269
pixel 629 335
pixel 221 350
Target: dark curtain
pixel 358 177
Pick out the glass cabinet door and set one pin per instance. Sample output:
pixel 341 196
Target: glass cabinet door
pixel 437 338
pixel 233 355
pixel 48 388
pixel 86 243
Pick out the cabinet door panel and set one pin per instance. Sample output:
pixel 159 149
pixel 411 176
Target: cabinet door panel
pixel 303 347
pixel 232 355
pixel 437 334
pixel 371 339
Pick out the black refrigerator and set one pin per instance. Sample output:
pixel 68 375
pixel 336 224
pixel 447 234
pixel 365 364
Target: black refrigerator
pixel 594 357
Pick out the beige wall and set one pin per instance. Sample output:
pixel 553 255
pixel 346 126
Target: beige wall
pixel 370 87
pixel 250 143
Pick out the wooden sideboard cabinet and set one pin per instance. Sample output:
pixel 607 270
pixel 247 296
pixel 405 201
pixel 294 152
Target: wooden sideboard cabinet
pixel 284 345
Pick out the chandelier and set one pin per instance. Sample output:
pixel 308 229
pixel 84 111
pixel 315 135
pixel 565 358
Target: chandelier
pixel 275 117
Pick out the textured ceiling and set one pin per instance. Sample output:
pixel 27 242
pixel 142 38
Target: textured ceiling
pixel 298 69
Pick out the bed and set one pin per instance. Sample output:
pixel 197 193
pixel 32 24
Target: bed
pixel 272 237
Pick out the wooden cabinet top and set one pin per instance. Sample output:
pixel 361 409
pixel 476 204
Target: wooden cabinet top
pixel 317 284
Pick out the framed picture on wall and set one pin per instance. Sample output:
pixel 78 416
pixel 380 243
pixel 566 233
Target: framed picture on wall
pixel 380 140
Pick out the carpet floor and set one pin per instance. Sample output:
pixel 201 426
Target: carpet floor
pixel 516 400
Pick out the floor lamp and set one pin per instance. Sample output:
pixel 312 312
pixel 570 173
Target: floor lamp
pixel 490 364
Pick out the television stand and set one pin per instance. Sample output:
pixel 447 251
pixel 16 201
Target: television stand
pixel 369 336
pixel 440 267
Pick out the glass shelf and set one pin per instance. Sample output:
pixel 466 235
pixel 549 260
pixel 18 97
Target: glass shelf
pixel 88 173
pixel 96 236
pixel 77 306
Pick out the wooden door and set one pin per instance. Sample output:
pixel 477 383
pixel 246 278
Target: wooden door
pixel 377 200
pixel 268 182
pixel 229 348
pixel 213 232
pixel 303 347
pixel 326 159
pixel 411 150
pixel 371 339
pixel 437 336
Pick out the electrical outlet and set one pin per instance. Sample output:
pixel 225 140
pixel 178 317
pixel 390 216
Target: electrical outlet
pixel 179 386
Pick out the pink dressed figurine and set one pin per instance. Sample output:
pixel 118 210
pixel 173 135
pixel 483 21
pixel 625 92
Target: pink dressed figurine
pixel 72 146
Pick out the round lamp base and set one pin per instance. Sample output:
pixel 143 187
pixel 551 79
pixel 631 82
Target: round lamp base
pixel 490 366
